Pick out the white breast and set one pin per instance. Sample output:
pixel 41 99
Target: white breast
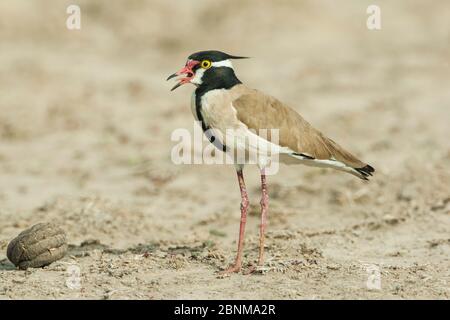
pixel 220 115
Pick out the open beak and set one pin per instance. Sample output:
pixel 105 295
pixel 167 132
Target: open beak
pixel 186 70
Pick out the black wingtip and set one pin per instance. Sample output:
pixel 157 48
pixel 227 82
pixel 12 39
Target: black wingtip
pixel 366 171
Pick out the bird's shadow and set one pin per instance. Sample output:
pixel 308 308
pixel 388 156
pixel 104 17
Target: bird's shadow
pixel 84 249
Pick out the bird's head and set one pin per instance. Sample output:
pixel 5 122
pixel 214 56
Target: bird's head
pixel 205 68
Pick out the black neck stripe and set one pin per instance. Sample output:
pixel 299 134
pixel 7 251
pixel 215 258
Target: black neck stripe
pixel 214 78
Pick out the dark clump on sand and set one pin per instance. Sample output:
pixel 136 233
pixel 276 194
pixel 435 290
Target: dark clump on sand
pixel 37 246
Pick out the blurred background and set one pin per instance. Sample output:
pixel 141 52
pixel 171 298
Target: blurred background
pixel 85 123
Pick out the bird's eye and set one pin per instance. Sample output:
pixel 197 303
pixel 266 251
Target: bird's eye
pixel 206 64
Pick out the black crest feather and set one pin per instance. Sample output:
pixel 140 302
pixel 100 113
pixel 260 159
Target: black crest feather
pixel 213 55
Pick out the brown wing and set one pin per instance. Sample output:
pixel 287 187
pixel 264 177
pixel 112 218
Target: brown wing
pixel 260 111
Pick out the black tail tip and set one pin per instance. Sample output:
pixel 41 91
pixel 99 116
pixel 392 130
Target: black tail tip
pixel 366 171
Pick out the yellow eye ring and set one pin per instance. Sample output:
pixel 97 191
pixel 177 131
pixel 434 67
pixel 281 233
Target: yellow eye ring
pixel 206 64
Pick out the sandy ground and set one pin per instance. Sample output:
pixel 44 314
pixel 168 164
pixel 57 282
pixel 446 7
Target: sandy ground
pixel 85 125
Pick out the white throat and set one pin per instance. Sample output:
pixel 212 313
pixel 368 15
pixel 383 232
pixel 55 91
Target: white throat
pixel 197 79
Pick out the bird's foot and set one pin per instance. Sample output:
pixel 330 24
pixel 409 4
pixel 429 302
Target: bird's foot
pixel 234 268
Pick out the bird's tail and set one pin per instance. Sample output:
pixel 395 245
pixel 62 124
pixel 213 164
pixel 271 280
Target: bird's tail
pixel 352 164
pixel 364 172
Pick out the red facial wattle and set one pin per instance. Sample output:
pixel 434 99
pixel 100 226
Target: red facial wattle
pixel 187 70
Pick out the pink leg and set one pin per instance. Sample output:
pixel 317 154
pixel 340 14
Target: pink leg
pixel 264 210
pixel 236 267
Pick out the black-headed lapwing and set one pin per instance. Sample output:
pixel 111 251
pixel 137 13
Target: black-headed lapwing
pixel 223 104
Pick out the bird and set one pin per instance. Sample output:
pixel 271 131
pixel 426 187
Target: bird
pixel 222 103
